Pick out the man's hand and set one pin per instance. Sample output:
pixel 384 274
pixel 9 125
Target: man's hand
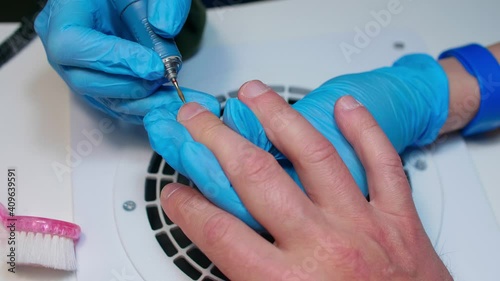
pixel 330 233
pixel 409 101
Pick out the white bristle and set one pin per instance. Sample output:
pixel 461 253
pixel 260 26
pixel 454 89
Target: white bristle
pixel 45 250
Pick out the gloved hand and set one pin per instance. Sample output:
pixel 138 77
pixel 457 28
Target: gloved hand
pixel 409 101
pixel 134 110
pixel 87 44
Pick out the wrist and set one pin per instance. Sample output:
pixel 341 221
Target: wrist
pixel 464 95
pixel 464 92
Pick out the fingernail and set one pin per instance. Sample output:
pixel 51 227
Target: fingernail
pixel 169 190
pixel 349 103
pixel 254 89
pixel 189 111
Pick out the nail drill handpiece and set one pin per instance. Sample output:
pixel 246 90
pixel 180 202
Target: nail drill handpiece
pixel 135 16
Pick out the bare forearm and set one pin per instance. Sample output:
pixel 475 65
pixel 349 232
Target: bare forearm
pixel 464 92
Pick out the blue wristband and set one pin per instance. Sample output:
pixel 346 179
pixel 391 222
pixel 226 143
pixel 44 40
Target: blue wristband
pixel 480 63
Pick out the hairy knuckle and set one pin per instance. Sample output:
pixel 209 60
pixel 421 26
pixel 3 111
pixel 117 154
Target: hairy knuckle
pixel 217 228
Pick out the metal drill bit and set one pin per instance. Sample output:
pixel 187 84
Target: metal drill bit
pixel 179 92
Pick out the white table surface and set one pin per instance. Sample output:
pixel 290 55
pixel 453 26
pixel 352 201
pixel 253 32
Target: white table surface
pixel 34 104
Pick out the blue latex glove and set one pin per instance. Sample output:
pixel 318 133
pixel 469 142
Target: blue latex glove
pixel 134 110
pixel 88 46
pixel 409 100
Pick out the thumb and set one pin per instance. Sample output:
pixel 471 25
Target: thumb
pixel 168 16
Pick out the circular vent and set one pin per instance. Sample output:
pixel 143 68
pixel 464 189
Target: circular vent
pixel 176 245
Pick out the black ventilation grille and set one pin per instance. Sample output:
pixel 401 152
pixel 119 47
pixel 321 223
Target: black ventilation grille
pixel 176 245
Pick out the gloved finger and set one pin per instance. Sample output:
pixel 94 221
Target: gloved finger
pixel 174 143
pixel 131 119
pixel 242 120
pixel 101 84
pixel 166 136
pixel 315 110
pixel 168 16
pixel 245 124
pixel 205 171
pixel 72 41
pixel 102 105
pixel 167 97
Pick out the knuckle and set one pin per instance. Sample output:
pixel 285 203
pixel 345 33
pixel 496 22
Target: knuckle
pixel 389 160
pixel 398 180
pixel 245 151
pixel 192 202
pixel 57 47
pixel 390 236
pixel 282 116
pixel 78 81
pixel 211 132
pixel 391 169
pixel 187 205
pixel 260 167
pixel 348 257
pixel 402 244
pixel 40 23
pixel 367 128
pixel 140 90
pixel 275 197
pixel 216 230
pixel 317 152
pixel 62 43
pixel 343 253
